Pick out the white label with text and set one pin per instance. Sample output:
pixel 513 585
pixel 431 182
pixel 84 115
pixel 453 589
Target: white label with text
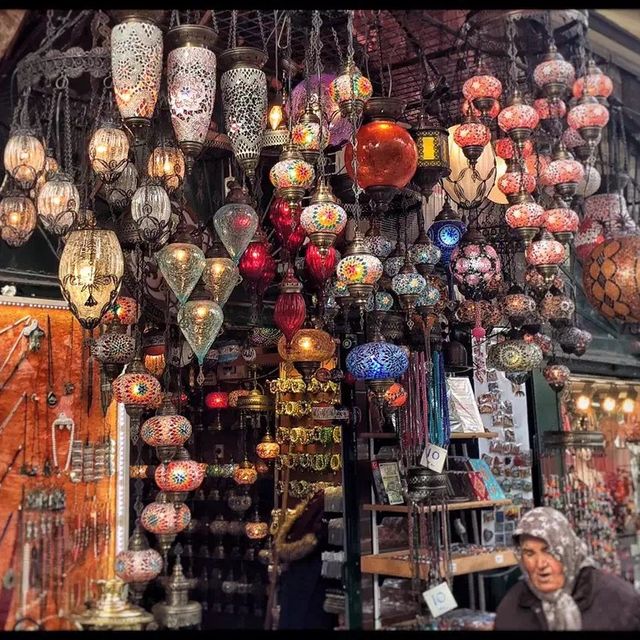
pixel 439 599
pixel 433 457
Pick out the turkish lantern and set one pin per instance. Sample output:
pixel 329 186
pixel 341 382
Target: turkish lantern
pixel 166 164
pixel 472 137
pixel 268 275
pixel 545 254
pixel 290 310
pixel 588 117
pixel 58 204
pixel 310 135
pixel 504 148
pixel 320 266
pixel 350 89
pixel 550 109
pixel 24 158
pixel 291 175
pixel 525 217
pixel 108 151
pixel 514 180
pixel 285 218
pixel 563 172
pixel 359 269
pixel 561 221
pixel 483 90
pixel 324 219
pixel 518 119
pixel 431 140
pixel 387 156
pixel 18 219
pixel 254 259
pixel 593 83
pixel 554 75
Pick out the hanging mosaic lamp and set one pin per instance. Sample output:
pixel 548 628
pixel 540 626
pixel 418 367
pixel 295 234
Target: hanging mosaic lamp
pixel 108 151
pixel 590 183
pixel 18 219
pixel 290 310
pixel 387 156
pixel 549 109
pixel 123 310
pixel 137 390
pixel 166 431
pixel 165 518
pixel 200 320
pixel 113 349
pixel 428 299
pixel 138 564
pixel 51 167
pixel 518 119
pixel 309 135
pixel 611 278
pixel 267 448
pixel 514 180
pixel 154 352
pixel 254 260
pixel 561 221
pixel 291 175
pixel 472 137
pixel 285 218
pixel 359 269
pixel 308 350
pixel 181 265
pixel 379 363
pixel 350 90
pixel 166 164
pixel 179 476
pixel 408 284
pixel 255 529
pixel 475 265
pixel 90 272
pixel 58 204
pixel 557 308
pixel 576 144
pixel 320 265
pixel 433 153
pixel 136 64
pixel 376 242
pixel 24 157
pixel 574 340
pixel 217 400
pixel 424 254
pixel 554 75
pixel 588 118
pixel 245 473
pixel 446 231
pixel 545 254
pixel 556 375
pixel 504 148
pixel 514 355
pixel 191 85
pixel 151 211
pixel 324 219
pixel 593 83
pixel 236 221
pixel 268 275
pixel 383 301
pixel 563 172
pixel 482 90
pixel 517 306
pixel 221 275
pixel 525 218
pixel 243 87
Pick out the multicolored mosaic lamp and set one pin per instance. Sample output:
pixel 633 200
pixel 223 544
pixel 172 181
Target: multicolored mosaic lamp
pixel 446 231
pixel 359 270
pixel 166 431
pixel 324 219
pixel 291 175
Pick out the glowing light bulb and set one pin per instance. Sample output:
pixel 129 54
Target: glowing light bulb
pixel 583 402
pixel 86 274
pixel 628 405
pixel 275 116
pixel 180 255
pixel 101 148
pixel 609 404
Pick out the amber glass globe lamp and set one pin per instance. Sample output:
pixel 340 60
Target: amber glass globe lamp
pixel 308 349
pixel 267 448
pixel 167 164
pixel 245 473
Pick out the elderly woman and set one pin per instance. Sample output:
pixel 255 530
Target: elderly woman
pixel 562 589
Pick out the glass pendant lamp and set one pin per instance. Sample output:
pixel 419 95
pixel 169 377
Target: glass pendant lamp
pixel 220 275
pixel 359 270
pixel 324 219
pixel 18 219
pixel 181 264
pixel 58 204
pixel 24 157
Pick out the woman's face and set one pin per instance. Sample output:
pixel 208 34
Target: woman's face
pixel 545 572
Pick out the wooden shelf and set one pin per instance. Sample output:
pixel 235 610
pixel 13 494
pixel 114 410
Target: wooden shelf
pixel 455 435
pixel 397 564
pixel 453 506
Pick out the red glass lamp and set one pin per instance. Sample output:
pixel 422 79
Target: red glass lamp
pixel 518 120
pixel 525 217
pixel 554 75
pixel 285 218
pixel 588 117
pixel 563 172
pixel 561 221
pixel 545 254
pixel 320 266
pixel 483 90
pixel 514 180
pixel 593 83
pixel 472 137
pixel 254 259
pixel 290 310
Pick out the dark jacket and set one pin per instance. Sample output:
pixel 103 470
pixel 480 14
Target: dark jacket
pixel 607 603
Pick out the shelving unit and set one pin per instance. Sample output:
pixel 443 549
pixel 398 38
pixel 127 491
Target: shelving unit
pixel 453 506
pixel 397 563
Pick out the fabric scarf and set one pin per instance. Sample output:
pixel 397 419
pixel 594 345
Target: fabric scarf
pixel 560 609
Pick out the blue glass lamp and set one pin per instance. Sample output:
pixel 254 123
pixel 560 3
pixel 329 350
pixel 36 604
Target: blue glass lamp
pixel 446 231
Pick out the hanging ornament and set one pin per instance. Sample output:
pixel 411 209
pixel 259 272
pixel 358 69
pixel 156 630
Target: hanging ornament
pixel 309 135
pixel 554 75
pixel 90 272
pixel 18 219
pixel 245 473
pixel 123 310
pixel 113 349
pixel 475 265
pixel 154 353
pixel 243 87
pixel 166 431
pixel 268 275
pixel 576 144
pixel 179 476
pixel 556 375
pixel 492 114
pixel 191 85
pixel 590 183
pixel 472 137
pixel 320 265
pixel 285 218
pixel 574 340
pixel 446 231
pixel 139 564
pixel 548 109
pixel 563 172
pixel 433 153
pixel 375 241
pixel 423 253
pixel 220 276
pixel 514 355
pixel 308 350
pixel 267 448
pixel 109 151
pixel 359 269
pixel 166 164
pixel 408 284
pixel 181 265
pixel 546 254
pixel 525 218
pixel 151 211
pixel 483 90
pixel 290 310
pixel 58 204
pixel 137 390
pixel 557 308
pixel 291 175
pixel 236 221
pixel 383 301
pixel 136 64
pixel 517 306
pixel 24 157
pixel 51 167
pixel 514 180
pixel 165 518
pixel 588 118
pixel 504 149
pixel 121 190
pixel 387 156
pixel 350 90
pixel 428 299
pixel 518 120
pixel 254 259
pixel 593 83
pixel 561 221
pixel 324 219
pixel 200 320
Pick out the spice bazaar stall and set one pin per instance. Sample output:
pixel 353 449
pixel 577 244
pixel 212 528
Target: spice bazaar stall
pixel 305 289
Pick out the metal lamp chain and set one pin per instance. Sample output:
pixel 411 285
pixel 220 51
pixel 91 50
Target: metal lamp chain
pixel 214 21
pixel 67 129
pixel 50 117
pixel 512 53
pixel 288 57
pixel 338 47
pixel 233 36
pixel 262 34
pixel 316 23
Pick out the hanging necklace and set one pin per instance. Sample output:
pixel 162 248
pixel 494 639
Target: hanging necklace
pixel 26 469
pixel 52 399
pixel 61 423
pixel 69 387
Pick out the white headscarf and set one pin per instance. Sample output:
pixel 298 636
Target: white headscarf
pixel 560 609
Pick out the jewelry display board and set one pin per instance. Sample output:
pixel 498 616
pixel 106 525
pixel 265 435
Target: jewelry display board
pixel 58 480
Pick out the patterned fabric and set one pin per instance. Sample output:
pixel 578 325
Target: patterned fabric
pixel 559 607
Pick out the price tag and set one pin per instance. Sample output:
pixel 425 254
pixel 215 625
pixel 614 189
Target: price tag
pixel 439 599
pixel 433 457
pixel 499 558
